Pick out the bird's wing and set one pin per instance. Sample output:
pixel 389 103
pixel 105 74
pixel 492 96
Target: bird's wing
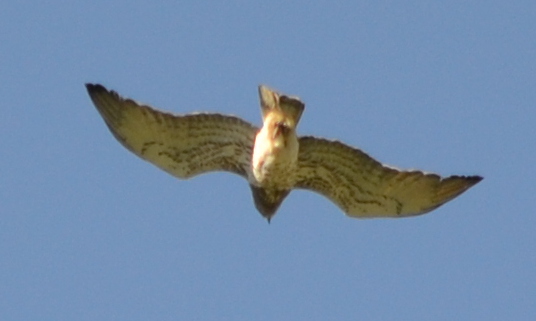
pixel 183 146
pixel 363 187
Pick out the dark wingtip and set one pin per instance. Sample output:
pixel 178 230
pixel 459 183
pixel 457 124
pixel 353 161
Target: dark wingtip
pixel 93 88
pixel 472 180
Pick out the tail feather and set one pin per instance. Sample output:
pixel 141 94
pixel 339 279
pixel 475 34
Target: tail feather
pixel 291 107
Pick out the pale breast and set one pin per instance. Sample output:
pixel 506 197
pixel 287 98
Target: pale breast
pixel 274 163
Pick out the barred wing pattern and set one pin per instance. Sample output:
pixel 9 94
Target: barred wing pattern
pixel 363 187
pixel 183 146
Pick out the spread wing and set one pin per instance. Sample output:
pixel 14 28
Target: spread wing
pixel 363 187
pixel 183 146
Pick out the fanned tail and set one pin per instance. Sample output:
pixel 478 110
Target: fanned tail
pixel 272 101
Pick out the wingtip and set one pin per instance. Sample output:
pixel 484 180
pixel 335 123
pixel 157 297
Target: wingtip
pixel 472 180
pixel 95 88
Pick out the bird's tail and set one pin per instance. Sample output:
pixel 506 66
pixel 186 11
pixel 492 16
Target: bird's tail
pixel 291 107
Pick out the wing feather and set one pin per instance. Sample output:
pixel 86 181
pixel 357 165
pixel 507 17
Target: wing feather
pixel 184 146
pixel 363 187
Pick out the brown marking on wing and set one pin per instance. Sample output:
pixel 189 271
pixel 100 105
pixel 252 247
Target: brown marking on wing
pixel 363 187
pixel 182 145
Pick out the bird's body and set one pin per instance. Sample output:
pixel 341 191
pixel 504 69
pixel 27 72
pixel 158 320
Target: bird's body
pixel 274 159
pixel 274 163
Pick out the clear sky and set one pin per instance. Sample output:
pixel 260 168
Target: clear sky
pixel 88 231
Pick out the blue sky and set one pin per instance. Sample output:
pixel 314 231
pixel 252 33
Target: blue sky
pixel 88 231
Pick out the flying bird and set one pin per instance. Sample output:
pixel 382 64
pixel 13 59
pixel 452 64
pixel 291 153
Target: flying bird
pixel 273 159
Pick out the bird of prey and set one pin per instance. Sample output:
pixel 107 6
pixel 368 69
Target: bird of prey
pixel 273 159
